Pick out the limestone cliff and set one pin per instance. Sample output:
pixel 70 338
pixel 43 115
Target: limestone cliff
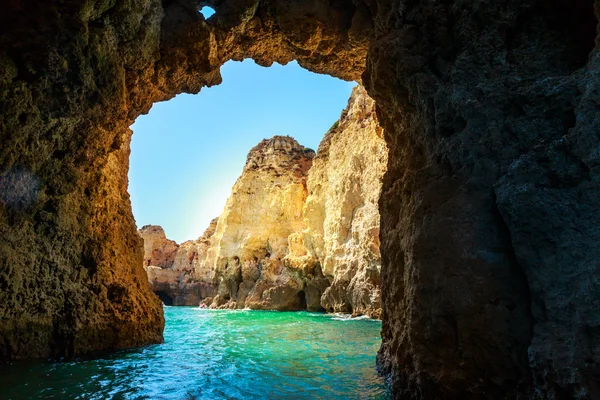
pixel 341 213
pixel 297 232
pixel 241 256
pixel 251 238
pixel 172 269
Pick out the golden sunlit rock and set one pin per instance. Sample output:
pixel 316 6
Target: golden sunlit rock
pixel 297 232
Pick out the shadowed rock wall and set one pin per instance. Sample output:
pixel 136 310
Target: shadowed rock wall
pixel 489 209
pixel 489 222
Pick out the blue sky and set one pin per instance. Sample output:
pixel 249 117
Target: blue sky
pixel 187 153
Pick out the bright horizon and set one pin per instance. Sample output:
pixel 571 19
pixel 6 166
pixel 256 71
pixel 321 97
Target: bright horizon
pixel 187 153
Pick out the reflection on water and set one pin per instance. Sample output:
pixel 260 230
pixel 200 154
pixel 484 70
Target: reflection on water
pixel 221 355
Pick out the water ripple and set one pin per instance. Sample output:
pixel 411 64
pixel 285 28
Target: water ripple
pixel 225 354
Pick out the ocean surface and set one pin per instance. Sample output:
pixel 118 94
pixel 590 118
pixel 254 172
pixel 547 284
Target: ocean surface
pixel 218 354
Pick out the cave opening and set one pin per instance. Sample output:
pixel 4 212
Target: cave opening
pixel 187 153
pixel 76 74
pixel 207 11
pixel 263 254
pixel 302 300
pixel 296 194
pixel 164 297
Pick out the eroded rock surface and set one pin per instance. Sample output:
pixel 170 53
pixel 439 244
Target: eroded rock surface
pixel 158 250
pixel 172 269
pixel 341 213
pixel 251 238
pixel 489 221
pixel 73 78
pixel 319 247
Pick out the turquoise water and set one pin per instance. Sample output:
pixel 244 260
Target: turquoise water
pixel 211 354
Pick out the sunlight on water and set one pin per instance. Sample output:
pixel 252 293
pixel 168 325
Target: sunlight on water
pixel 210 354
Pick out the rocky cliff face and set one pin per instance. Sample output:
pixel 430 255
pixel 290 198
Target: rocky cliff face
pixel 251 238
pixel 173 270
pixel 341 212
pixel 243 256
pixel 489 222
pixel 298 231
pixel 158 250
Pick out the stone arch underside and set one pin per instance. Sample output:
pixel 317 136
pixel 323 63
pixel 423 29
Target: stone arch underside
pixel 490 230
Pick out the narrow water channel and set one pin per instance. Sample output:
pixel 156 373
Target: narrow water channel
pixel 218 354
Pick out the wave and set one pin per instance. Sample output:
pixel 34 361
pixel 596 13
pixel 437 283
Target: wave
pixel 333 316
pixel 348 317
pixel 222 310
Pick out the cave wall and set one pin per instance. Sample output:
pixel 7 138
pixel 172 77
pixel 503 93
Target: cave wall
pixel 71 277
pixel 489 209
pixel 73 78
pixel 489 218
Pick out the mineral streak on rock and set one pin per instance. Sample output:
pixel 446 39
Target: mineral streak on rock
pixel 489 206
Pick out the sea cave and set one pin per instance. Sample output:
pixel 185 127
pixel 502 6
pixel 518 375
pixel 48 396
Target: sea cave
pixel 489 226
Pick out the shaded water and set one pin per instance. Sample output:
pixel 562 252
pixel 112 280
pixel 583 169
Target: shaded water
pixel 221 355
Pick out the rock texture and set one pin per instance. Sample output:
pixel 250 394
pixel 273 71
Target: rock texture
pixel 303 233
pixel 158 250
pixel 251 237
pixel 489 222
pixel 243 258
pixel 172 269
pixel 73 78
pixel 341 213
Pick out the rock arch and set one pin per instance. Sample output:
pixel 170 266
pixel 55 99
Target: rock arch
pixel 490 228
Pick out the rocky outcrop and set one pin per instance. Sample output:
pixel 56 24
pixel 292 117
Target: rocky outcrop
pixel 173 270
pixel 158 250
pixel 250 244
pixel 192 256
pixel 303 233
pixel 341 212
pixel 241 261
pixel 489 222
